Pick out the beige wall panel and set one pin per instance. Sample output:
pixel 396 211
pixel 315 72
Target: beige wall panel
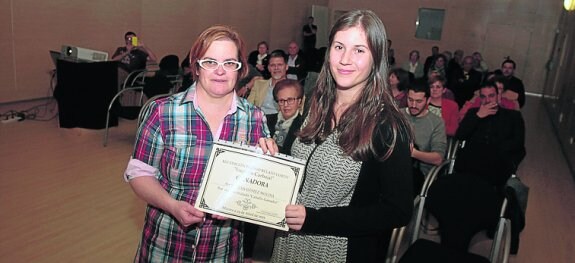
pixel 255 23
pixel 7 84
pixel 171 28
pixel 5 19
pixel 282 31
pixel 40 26
pixel 495 27
pixel 287 19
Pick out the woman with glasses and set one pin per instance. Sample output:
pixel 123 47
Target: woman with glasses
pixel 358 183
pixel 259 59
pixel 172 147
pixel 289 95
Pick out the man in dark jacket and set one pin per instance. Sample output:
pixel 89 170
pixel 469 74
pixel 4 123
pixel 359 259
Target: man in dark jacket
pixel 494 139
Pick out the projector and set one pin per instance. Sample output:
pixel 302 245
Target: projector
pixel 83 54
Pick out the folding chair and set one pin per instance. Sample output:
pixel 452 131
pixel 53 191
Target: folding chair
pixel 134 86
pixel 398 234
pixel 170 68
pixel 424 250
pixel 453 145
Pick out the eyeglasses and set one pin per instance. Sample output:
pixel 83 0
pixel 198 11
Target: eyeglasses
pixel 210 64
pixel 288 101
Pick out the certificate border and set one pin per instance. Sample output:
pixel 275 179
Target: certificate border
pixel 296 165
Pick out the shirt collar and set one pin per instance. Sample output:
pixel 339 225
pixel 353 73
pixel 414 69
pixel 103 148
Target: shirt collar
pixel 190 95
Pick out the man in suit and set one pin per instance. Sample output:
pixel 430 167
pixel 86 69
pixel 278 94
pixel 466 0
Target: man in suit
pixel 494 139
pixel 296 64
pixel 465 81
pixel 261 93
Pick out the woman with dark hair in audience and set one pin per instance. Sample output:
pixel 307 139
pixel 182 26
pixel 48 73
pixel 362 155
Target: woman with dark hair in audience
pixel 259 59
pixel 439 65
pixel 398 81
pixel 358 179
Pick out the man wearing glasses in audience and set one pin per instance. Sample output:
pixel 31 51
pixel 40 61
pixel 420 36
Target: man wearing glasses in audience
pixel 261 93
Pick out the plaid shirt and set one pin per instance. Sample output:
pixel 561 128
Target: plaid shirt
pixel 175 141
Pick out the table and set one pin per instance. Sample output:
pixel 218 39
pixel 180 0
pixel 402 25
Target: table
pixel 84 91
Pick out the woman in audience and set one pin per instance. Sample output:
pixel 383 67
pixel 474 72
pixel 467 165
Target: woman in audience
pixel 289 94
pixel 172 147
pixel 358 182
pixel 442 107
pixel 259 59
pixel 447 94
pixel 479 64
pixel 398 81
pixel 439 65
pixel 413 65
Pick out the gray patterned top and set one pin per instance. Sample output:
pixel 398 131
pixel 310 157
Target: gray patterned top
pixel 330 180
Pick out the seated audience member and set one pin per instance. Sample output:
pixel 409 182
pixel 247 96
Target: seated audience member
pixel 439 65
pixel 429 131
pixel 288 93
pixel 390 54
pixel 503 102
pixel 398 82
pixel 513 83
pixel 464 81
pixel 259 59
pixel 429 60
pixel 448 94
pixel 261 93
pixel 315 58
pixel 494 139
pixel 187 78
pixel 454 64
pixel 479 63
pixel 132 57
pixel 245 84
pixel 445 108
pixel 296 63
pixel 448 55
pixel 413 65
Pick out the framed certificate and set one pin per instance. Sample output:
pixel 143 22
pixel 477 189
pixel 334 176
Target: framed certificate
pixel 242 184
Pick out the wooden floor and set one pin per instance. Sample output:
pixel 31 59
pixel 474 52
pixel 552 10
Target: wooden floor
pixel 63 199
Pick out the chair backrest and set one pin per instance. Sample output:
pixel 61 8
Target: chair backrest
pixel 501 245
pixel 420 201
pixel 170 65
pixel 156 85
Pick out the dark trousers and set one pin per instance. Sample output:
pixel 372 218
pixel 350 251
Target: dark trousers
pixel 250 234
pixel 272 119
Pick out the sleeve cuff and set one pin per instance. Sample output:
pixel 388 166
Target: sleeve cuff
pixel 137 168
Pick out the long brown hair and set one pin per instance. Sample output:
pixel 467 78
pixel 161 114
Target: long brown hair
pixel 374 107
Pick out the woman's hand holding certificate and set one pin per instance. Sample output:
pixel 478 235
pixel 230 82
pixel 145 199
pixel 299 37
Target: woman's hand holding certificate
pixel 242 184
